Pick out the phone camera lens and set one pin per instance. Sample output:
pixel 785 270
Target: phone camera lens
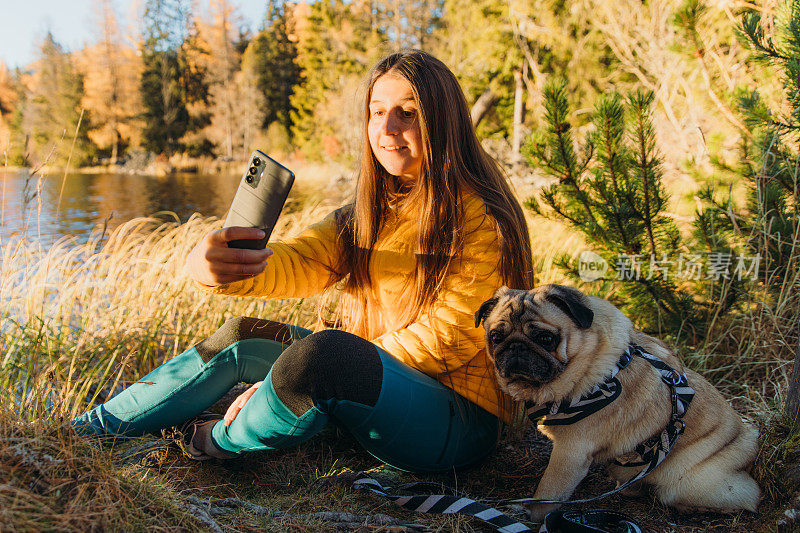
pixel 253 170
pixel 249 179
pixel 256 161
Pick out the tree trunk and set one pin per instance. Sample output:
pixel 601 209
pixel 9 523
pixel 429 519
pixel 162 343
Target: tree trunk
pixel 482 106
pixel 793 397
pixel 519 110
pixel 115 147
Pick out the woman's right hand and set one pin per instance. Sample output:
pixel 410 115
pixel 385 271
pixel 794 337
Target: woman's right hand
pixel 212 263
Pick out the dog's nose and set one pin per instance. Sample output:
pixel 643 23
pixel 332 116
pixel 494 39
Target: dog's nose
pixel 517 358
pixel 517 349
pixel 517 365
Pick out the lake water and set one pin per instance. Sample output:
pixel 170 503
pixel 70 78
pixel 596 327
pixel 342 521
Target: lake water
pixel 30 205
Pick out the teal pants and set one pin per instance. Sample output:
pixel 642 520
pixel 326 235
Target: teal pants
pixel 413 422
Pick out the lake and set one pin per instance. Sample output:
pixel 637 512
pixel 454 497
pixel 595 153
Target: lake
pixel 31 205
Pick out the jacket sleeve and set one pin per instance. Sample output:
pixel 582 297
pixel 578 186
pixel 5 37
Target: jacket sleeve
pixel 299 267
pixel 445 338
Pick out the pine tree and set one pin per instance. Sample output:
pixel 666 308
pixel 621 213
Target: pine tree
pixel 169 81
pixel 51 111
pixel 271 59
pixel 611 191
pixel 222 65
pixel 111 72
pixel 194 59
pixel 313 60
pixel 770 166
pixel 771 157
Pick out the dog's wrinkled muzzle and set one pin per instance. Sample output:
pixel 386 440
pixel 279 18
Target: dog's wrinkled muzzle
pixel 517 360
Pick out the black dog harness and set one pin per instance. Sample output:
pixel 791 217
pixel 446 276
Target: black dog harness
pixel 651 452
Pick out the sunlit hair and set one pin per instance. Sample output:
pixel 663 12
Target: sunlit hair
pixel 453 164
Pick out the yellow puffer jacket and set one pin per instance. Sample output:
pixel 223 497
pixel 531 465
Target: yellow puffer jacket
pixel 301 266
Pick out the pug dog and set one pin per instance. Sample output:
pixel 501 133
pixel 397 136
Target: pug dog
pixel 554 343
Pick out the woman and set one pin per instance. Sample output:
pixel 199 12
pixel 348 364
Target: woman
pixel 433 231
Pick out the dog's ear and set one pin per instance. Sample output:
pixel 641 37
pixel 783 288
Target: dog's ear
pixel 570 301
pixel 485 309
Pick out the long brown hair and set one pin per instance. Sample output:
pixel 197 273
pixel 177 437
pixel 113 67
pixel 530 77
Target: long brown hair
pixel 453 162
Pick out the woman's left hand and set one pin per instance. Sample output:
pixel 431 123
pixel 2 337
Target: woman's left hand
pixel 239 402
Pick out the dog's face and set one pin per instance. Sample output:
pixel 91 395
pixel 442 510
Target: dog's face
pixel 540 340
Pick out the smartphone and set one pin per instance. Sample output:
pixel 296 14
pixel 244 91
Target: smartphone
pixel 259 199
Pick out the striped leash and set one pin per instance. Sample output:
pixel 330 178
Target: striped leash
pixel 574 521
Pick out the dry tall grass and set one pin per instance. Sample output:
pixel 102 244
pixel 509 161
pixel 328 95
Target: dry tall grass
pixel 79 321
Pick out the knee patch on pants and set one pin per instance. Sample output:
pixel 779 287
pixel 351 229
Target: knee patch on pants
pixel 241 328
pixel 326 365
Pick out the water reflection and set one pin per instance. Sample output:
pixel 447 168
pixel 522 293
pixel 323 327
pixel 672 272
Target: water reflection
pixel 31 204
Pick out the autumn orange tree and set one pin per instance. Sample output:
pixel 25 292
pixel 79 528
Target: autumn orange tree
pixel 111 70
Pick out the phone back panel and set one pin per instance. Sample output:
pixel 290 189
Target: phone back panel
pixel 259 199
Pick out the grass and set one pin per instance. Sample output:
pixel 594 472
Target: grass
pixel 80 321
pixel 52 480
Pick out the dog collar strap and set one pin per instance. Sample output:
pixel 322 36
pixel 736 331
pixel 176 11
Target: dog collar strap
pixel 569 411
pixel 681 392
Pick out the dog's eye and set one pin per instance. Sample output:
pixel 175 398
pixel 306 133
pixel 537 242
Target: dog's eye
pixel 545 338
pixel 496 337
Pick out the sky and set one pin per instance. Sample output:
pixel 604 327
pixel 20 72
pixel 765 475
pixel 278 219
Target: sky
pixel 23 23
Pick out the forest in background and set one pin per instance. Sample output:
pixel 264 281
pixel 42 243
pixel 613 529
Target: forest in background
pixel 189 80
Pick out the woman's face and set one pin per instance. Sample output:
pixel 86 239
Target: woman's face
pixel 393 127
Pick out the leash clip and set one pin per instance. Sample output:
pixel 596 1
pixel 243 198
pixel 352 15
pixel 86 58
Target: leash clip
pixel 673 396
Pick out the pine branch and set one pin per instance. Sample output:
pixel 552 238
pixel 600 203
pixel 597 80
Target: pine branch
pixel 558 106
pixel 751 26
pixel 620 207
pixel 610 114
pixel 562 214
pixel 643 131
